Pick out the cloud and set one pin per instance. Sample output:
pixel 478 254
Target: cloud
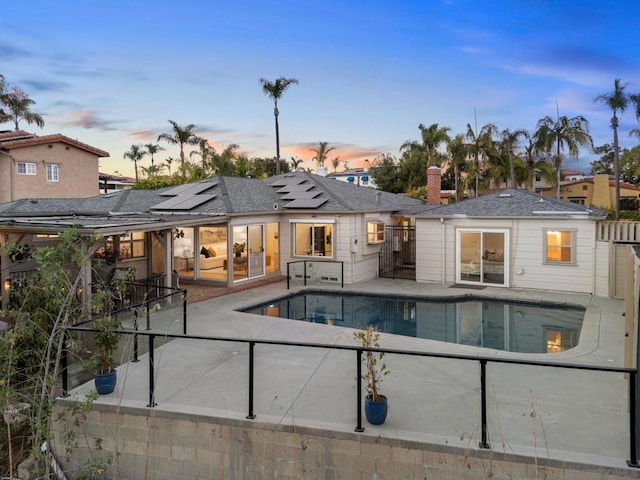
pixel 44 86
pixel 86 119
pixel 10 52
pixel 474 50
pixel 355 155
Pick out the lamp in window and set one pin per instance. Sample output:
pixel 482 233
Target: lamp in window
pixel 183 248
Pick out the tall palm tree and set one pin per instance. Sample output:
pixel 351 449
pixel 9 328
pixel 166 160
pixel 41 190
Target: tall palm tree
pixel 295 163
pixel 180 135
pixel 432 137
pixel 458 156
pixel 152 149
pixel 205 151
pixel 561 133
pixel 135 154
pixel 321 153
pixel 167 162
pixel 274 91
pixel 617 101
pixel 17 104
pixel 480 144
pixel 335 163
pixel 506 146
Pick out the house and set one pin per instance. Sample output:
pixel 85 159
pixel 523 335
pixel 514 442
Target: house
pixel 47 166
pixel 598 191
pixel 223 230
pixel 513 238
pixel 356 176
pixel 111 182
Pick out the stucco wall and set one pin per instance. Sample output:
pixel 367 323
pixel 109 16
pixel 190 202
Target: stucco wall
pixel 78 173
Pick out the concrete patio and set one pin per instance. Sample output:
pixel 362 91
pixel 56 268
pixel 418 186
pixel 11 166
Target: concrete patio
pixel 542 413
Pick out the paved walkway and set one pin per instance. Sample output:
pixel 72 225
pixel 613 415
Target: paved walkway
pixel 539 412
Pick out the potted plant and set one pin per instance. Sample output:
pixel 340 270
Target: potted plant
pixel 105 339
pixel 238 248
pixel 375 404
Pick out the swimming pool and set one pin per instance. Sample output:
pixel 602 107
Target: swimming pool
pixel 482 322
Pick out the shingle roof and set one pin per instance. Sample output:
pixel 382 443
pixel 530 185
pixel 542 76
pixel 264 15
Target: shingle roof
pixel 221 197
pixel 511 203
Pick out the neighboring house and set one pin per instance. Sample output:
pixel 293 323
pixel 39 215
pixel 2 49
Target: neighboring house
pixel 513 238
pixel 356 176
pixel 598 191
pixel 110 183
pixel 48 166
pixel 224 229
pixel 566 175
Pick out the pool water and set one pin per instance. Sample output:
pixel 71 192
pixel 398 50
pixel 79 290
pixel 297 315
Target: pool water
pixel 480 322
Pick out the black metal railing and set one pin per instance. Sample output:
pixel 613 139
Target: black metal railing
pixel 324 271
pixel 482 360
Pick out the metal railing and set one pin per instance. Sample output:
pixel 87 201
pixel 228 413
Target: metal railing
pixel 482 360
pixel 329 271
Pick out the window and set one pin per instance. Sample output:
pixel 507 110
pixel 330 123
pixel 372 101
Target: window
pixel 314 239
pixel 375 232
pixel 559 246
pixel 132 245
pixel 52 172
pixel 26 168
pixel 538 177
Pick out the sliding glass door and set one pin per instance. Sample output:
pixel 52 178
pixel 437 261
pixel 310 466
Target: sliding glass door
pixel 482 256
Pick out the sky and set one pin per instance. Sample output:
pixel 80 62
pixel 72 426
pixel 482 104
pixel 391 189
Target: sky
pixel 112 73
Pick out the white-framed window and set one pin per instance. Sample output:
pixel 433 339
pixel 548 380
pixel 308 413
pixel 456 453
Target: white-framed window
pixel 375 232
pixel 26 168
pixel 312 239
pixel 52 172
pixel 559 246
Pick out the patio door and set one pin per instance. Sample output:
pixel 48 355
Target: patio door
pixel 256 250
pixel 482 256
pixel 248 248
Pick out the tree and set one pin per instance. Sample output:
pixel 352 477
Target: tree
pixel 135 154
pixel 617 101
pixel 605 163
pixel 205 151
pixel 295 163
pixel 274 90
pixel 152 149
pixel 432 137
pixel 630 165
pixel 506 145
pixel 480 144
pixel 180 135
pixel 384 172
pixel 553 136
pixel 167 162
pixel 335 163
pixel 17 107
pixel 458 156
pixel 321 153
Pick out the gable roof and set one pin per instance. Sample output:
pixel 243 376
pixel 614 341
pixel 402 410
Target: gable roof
pixel 513 203
pixel 21 139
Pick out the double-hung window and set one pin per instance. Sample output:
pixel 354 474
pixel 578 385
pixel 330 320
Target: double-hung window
pixel 26 168
pixel 312 239
pixel 559 246
pixel 52 172
pixel 375 232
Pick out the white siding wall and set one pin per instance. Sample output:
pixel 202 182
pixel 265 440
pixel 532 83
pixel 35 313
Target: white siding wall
pixel 602 257
pixel 526 244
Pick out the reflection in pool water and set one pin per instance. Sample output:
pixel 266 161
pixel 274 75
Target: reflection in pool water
pixel 481 322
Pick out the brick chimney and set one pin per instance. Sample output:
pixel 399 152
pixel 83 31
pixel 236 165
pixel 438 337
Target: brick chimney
pixel 434 185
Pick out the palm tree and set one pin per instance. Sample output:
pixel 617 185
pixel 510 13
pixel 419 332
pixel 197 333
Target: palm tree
pixel 335 163
pixel 274 91
pixel 506 146
pixel 295 163
pixel 152 149
pixel 135 153
pixel 432 137
pixel 563 132
pixel 617 101
pixel 205 151
pixel 480 145
pixel 168 161
pixel 321 153
pixel 458 155
pixel 18 105
pixel 180 135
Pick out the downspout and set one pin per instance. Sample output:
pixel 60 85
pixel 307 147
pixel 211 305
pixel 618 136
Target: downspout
pixel 444 251
pixel 11 179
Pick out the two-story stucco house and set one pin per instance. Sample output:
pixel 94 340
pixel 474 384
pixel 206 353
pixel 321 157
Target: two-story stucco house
pixel 48 166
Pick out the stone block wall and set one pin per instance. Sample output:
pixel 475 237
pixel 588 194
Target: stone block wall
pixel 159 445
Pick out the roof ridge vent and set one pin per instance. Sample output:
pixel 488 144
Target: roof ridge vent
pixel 505 195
